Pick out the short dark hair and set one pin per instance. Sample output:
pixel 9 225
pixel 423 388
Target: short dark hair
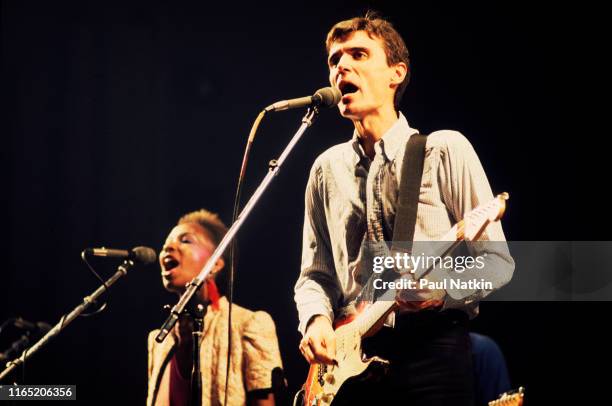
pixel 215 230
pixel 375 26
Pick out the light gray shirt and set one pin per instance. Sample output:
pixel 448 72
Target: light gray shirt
pixel 336 219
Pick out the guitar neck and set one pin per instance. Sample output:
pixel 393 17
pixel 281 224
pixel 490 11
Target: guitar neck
pixel 377 312
pixel 470 228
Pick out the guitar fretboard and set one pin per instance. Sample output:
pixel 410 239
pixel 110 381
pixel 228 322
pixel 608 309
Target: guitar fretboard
pixel 385 304
pixel 471 227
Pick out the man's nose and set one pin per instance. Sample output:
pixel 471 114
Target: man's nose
pixel 338 72
pixel 344 63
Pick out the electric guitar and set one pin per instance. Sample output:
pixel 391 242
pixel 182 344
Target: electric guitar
pixel 512 398
pixel 324 381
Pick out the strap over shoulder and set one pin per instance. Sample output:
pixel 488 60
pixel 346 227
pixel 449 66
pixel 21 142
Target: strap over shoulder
pixel 408 197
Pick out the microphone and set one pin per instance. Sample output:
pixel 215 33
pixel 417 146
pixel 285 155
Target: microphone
pixel 327 96
pixel 32 329
pixel 143 255
pixel 39 327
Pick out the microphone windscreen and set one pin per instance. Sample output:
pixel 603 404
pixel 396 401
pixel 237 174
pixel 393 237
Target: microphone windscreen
pixel 43 327
pixel 144 255
pixel 330 96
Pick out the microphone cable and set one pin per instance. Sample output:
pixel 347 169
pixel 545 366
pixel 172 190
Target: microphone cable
pixel 93 271
pixel 236 212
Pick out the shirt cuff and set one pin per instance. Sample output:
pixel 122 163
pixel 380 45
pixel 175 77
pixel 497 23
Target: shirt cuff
pixel 307 312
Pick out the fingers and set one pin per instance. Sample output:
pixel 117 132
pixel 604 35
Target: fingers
pixel 322 351
pixel 419 299
pixel 306 351
pixel 407 306
pixel 428 304
pixel 316 352
pixel 319 347
pixel 413 306
pixel 419 295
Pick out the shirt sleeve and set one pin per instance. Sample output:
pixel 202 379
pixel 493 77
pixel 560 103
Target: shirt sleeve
pixel 150 344
pixel 150 366
pixel 261 351
pixel 317 287
pixel 464 186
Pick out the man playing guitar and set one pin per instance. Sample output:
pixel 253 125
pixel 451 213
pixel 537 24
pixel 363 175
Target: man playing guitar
pixel 351 199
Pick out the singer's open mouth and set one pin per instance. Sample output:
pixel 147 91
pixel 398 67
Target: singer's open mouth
pixel 347 88
pixel 169 263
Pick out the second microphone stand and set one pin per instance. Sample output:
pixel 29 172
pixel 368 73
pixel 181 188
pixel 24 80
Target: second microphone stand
pixel 196 374
pixel 67 319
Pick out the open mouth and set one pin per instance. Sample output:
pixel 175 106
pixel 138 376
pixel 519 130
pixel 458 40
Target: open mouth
pixel 169 263
pixel 347 88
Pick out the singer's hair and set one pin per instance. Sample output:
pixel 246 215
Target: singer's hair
pixel 215 230
pixel 375 26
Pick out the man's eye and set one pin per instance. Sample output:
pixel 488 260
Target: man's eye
pixel 360 55
pixel 186 240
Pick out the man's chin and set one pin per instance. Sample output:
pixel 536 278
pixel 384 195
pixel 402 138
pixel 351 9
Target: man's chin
pixel 349 112
pixel 345 110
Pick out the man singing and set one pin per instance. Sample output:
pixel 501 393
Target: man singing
pixel 351 198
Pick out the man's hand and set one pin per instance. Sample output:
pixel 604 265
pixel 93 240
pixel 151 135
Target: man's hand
pixel 414 300
pixel 319 343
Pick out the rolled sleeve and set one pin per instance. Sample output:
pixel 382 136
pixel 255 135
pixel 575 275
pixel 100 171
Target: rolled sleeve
pixel 261 351
pixel 317 286
pixel 463 187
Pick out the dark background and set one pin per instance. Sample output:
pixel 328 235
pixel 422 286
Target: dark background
pixel 118 118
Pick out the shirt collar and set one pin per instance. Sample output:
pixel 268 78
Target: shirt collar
pixel 389 144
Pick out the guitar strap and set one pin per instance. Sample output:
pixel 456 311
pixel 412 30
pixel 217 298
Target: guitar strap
pixel 408 197
pixel 405 219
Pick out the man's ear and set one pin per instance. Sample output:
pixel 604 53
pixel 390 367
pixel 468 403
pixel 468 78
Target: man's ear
pixel 400 70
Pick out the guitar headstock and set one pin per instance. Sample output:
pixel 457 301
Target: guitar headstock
pixel 477 220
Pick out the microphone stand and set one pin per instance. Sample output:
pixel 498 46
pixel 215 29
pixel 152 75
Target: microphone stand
pixel 196 373
pixel 67 319
pixel 195 284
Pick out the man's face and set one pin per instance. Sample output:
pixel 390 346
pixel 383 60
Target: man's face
pixel 358 68
pixel 183 256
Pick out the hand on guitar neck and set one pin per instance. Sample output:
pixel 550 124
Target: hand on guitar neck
pixel 414 300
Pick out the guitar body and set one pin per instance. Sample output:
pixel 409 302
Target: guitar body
pixel 324 381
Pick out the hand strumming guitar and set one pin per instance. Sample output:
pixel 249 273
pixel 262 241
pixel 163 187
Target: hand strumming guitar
pixel 319 342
